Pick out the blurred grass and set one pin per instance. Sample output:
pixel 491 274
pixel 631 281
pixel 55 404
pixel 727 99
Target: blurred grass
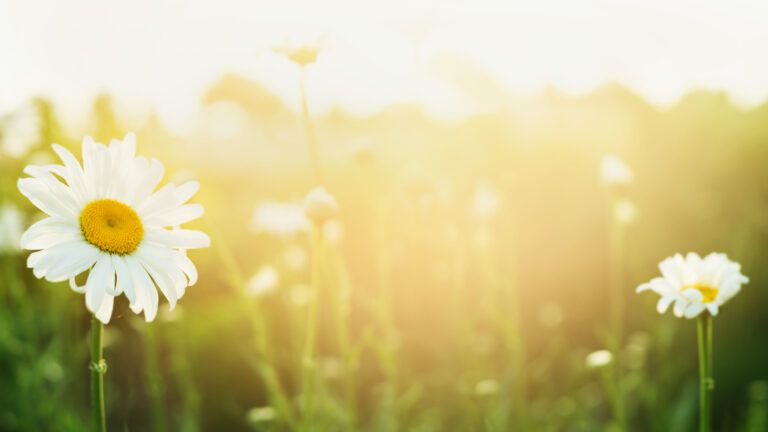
pixel 430 316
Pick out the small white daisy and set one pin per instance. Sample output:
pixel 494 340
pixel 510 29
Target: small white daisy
pixel 320 206
pixel 614 172
pixel 694 284
pixel 280 219
pixel 106 218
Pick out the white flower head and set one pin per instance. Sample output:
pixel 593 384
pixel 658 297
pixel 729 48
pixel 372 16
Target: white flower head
pixel 280 219
pixel 302 54
pixel 614 172
pixel 598 359
pixel 624 211
pixel 696 284
pixel 10 228
pixel 320 206
pixel 264 281
pixel 106 218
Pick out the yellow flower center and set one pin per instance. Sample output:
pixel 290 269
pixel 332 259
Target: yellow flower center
pixel 111 226
pixel 708 293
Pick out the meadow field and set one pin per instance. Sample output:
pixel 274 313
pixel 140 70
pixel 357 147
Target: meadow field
pixel 396 269
pixel 467 279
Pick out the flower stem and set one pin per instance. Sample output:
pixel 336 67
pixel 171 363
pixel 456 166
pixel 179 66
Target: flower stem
pixel 98 368
pixel 308 358
pixel 309 128
pixel 706 380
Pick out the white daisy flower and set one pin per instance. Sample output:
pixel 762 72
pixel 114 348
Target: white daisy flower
pixel 614 172
pixel 320 206
pixel 694 284
pixel 281 219
pixel 106 218
pixel 264 281
pixel 598 359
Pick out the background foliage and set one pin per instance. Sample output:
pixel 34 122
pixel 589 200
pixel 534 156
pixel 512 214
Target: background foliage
pixel 439 310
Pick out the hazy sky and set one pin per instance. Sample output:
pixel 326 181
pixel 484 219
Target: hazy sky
pixel 162 53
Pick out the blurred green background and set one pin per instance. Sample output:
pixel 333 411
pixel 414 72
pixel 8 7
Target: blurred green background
pixel 466 282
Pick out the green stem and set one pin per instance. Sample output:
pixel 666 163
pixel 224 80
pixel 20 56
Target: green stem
pixel 308 359
pixel 155 381
pixel 266 365
pixel 309 128
pixel 706 380
pixel 617 317
pixel 98 369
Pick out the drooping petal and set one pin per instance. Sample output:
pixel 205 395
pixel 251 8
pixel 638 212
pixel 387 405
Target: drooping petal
pixel 693 310
pixel 664 303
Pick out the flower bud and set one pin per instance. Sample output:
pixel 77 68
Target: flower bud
pixel 320 206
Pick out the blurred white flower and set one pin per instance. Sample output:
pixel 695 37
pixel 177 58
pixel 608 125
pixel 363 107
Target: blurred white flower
pixel 20 130
pixel 300 294
pixel 302 54
pixel 281 219
pixel 694 284
pixel 598 359
pixel 486 202
pixel 486 387
pixel 320 206
pixel 261 414
pixel 264 281
pixel 10 228
pixel 624 211
pixel 105 218
pixel 614 172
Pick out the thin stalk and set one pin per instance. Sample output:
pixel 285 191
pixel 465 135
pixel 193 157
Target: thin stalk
pixel 309 129
pixel 616 387
pixel 98 368
pixel 387 348
pixel 344 339
pixel 308 358
pixel 156 387
pixel 706 380
pixel 266 365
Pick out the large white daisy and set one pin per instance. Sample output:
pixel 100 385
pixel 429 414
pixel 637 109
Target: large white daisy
pixel 106 218
pixel 696 284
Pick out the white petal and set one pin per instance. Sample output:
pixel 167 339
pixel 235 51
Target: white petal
pixel 75 177
pixel 679 308
pixel 180 238
pixel 124 281
pixel 42 198
pixel 100 278
pixel 104 313
pixel 693 310
pixel 145 288
pixel 664 303
pixel 47 232
pixel 175 216
pixel 80 257
pixel 161 277
pixel 692 295
pixel 713 308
